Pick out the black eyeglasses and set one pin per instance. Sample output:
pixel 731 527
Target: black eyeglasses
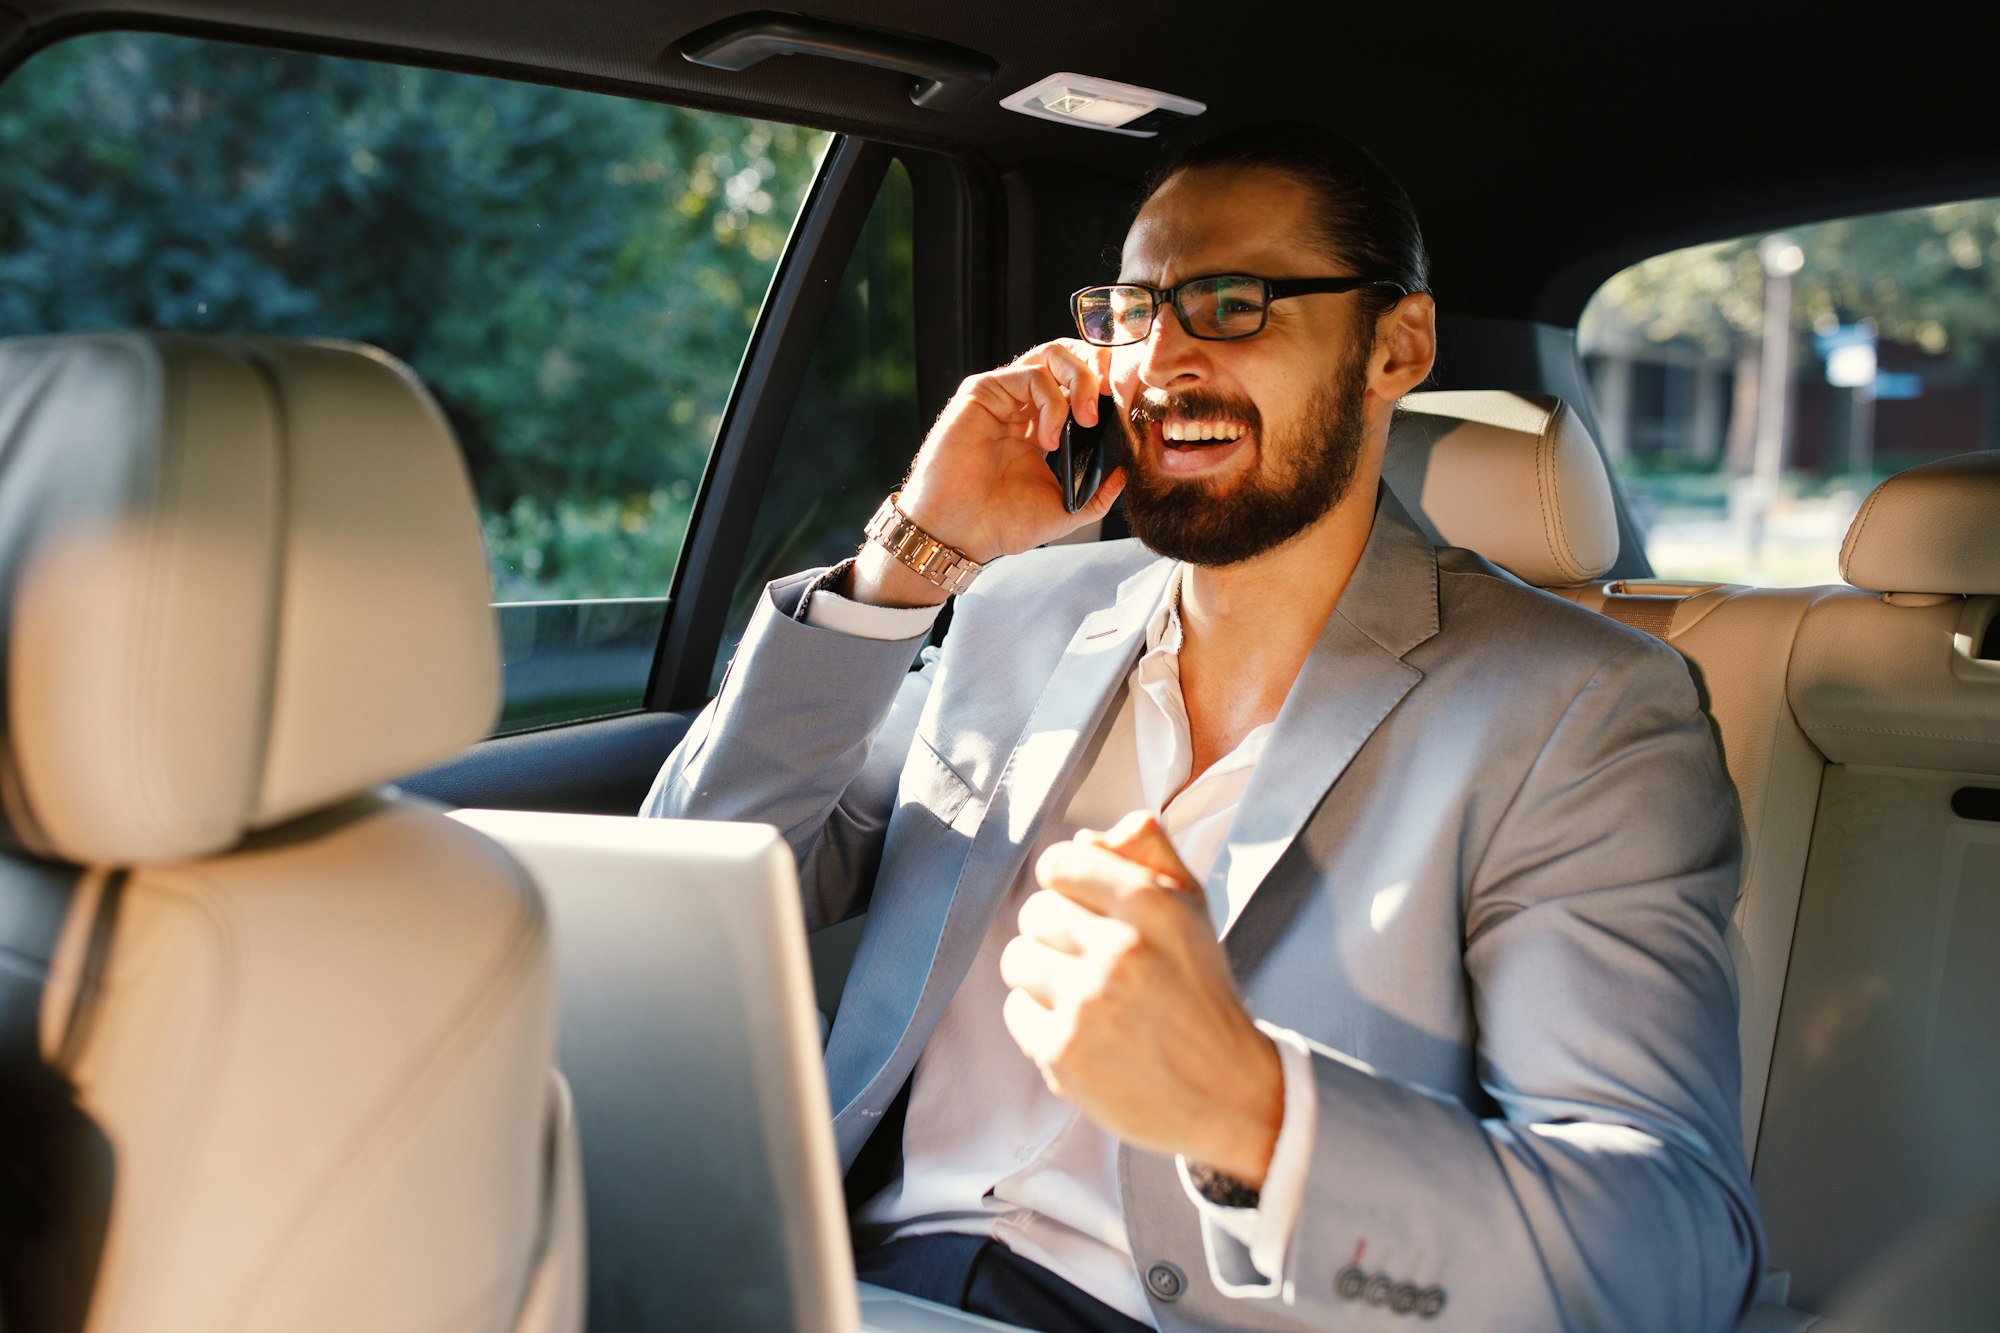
pixel 1217 306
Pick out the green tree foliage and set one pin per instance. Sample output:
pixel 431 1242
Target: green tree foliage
pixel 575 276
pixel 1928 277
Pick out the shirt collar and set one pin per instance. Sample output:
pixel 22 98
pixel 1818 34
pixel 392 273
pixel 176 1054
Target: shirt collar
pixel 1163 631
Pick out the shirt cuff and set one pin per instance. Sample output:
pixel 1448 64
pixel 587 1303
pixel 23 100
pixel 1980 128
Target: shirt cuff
pixel 829 610
pixel 1267 1228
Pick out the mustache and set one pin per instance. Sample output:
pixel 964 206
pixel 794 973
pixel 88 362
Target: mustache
pixel 1193 405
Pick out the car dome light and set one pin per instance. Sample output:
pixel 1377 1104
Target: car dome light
pixel 1100 104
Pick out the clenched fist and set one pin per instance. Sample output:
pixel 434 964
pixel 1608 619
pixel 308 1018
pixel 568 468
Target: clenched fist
pixel 1121 995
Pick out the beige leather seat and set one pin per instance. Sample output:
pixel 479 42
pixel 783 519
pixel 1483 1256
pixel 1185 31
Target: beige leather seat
pixel 1519 480
pixel 1883 1114
pixel 294 1032
pixel 1860 729
pixel 1512 476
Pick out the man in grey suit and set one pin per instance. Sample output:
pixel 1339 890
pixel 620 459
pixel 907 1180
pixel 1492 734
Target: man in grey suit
pixel 1274 922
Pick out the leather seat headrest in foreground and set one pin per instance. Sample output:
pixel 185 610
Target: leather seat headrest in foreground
pixel 1512 476
pixel 1934 528
pixel 230 596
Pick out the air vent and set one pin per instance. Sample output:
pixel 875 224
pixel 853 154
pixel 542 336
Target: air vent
pixel 1099 104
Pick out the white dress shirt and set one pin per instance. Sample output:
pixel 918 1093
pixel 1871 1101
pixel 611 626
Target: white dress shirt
pixel 987 1149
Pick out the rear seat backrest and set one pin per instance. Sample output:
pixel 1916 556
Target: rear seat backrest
pixel 1862 732
pixel 1885 1081
pixel 1738 642
pixel 1518 479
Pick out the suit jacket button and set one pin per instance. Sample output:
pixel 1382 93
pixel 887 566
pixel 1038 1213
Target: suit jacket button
pixel 1405 1298
pixel 1349 1283
pixel 1380 1287
pixel 1166 1281
pixel 1430 1303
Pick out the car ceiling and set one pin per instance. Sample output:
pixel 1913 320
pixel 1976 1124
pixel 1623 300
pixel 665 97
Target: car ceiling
pixel 1544 147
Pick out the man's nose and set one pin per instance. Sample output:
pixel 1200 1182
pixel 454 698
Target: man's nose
pixel 1170 353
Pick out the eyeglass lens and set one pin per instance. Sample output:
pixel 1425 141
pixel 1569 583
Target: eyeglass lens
pixel 1220 307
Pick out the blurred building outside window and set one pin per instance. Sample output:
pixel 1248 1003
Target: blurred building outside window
pixel 1744 457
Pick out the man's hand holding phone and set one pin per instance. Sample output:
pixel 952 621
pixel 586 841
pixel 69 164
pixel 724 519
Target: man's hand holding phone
pixel 981 482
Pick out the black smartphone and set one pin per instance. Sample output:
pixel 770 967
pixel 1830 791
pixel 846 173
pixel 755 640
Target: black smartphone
pixel 1087 454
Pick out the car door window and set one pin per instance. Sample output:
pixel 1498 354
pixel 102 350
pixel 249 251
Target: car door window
pixel 854 426
pixel 1752 392
pixel 575 276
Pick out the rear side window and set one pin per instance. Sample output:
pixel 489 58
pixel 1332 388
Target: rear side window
pixel 574 276
pixel 1750 393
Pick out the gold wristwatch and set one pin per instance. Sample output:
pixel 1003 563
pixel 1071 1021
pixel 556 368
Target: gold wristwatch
pixel 946 566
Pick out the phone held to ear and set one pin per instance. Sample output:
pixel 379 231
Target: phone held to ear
pixel 1087 454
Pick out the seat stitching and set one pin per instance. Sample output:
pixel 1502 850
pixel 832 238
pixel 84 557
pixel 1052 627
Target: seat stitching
pixel 1753 858
pixel 387 1122
pixel 1853 541
pixel 1552 431
pixel 1542 499
pixel 1895 731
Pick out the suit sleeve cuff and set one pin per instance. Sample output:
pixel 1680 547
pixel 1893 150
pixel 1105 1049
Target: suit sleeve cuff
pixel 825 609
pixel 1266 1229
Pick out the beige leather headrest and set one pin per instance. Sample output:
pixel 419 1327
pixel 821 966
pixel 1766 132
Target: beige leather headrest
pixel 239 581
pixel 1511 476
pixel 1934 528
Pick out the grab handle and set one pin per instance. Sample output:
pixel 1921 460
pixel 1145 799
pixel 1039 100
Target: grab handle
pixel 948 77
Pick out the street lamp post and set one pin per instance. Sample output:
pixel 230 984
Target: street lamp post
pixel 1782 259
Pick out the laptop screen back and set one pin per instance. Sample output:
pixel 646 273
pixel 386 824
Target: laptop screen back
pixel 691 1043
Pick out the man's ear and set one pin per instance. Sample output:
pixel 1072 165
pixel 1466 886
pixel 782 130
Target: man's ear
pixel 1405 347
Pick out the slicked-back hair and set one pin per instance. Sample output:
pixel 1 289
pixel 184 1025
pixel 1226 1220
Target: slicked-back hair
pixel 1363 217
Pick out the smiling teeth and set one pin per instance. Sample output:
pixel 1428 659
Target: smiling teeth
pixel 1183 431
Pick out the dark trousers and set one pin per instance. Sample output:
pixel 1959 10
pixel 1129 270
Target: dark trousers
pixel 984 1277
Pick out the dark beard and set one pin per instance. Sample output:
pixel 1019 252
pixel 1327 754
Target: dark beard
pixel 1298 481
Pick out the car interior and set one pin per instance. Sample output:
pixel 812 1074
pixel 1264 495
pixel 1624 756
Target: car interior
pixel 289 1048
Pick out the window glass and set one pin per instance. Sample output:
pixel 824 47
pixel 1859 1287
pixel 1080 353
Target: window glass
pixel 854 428
pixel 1745 455
pixel 574 276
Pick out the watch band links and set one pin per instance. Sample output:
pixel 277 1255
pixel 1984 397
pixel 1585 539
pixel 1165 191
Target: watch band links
pixel 946 566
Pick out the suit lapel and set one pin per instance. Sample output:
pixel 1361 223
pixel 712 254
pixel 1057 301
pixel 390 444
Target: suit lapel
pixel 1059 728
pixel 1352 679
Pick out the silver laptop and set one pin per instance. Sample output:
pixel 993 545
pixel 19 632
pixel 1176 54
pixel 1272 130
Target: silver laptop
pixel 691 1042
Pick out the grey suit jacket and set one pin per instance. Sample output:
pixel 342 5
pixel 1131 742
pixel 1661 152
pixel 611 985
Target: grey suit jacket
pixel 1493 851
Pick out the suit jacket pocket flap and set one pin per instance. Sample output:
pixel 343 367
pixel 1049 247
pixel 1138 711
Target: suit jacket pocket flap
pixel 932 784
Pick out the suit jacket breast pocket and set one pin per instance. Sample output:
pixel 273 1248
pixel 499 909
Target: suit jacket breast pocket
pixel 932 786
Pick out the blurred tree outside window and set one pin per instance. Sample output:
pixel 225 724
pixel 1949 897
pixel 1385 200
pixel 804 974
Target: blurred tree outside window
pixel 575 277
pixel 1745 456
